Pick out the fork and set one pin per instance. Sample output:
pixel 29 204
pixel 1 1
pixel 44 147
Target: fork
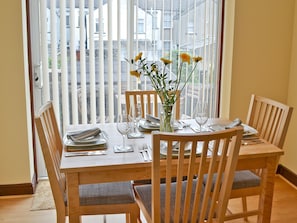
pixel 146 153
pixel 143 153
pixel 149 152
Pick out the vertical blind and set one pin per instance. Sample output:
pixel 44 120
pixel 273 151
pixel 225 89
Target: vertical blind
pixel 84 44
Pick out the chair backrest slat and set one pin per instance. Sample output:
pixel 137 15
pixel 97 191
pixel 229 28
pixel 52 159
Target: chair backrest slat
pixel 51 145
pixel 191 200
pixel 150 102
pixel 270 118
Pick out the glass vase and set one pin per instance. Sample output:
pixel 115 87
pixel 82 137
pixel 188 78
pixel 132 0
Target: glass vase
pixel 166 118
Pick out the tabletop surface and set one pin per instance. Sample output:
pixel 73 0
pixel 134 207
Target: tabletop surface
pixel 135 159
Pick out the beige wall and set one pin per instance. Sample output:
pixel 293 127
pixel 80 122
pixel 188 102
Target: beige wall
pixel 290 158
pixel 262 51
pixel 15 150
pixel 262 60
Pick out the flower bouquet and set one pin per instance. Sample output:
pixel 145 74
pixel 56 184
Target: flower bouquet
pixel 166 88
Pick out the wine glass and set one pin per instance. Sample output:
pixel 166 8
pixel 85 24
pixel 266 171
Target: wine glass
pixel 201 114
pixel 123 126
pixel 135 116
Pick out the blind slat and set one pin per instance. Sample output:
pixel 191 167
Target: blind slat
pixel 44 51
pixel 64 68
pixel 119 74
pixel 83 87
pixel 101 64
pixel 110 62
pixel 73 58
pixel 92 63
pixel 54 61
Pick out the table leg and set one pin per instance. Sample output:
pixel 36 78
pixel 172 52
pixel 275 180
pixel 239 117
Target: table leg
pixel 73 197
pixel 268 177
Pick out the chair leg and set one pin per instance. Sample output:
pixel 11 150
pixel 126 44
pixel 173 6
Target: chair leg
pixel 134 215
pixel 244 208
pixel 61 216
pixel 132 218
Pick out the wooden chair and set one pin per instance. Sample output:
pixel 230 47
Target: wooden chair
pixel 150 102
pixel 114 198
pixel 271 119
pixel 190 200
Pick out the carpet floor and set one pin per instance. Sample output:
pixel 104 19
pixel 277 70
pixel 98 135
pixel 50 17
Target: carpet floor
pixel 43 198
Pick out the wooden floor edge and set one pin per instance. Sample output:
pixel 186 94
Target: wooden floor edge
pixel 287 181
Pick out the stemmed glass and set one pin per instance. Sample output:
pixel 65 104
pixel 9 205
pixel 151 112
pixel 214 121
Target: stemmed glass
pixel 123 126
pixel 135 116
pixel 201 114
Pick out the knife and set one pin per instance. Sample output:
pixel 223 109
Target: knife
pixel 85 153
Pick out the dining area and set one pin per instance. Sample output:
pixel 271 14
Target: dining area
pixel 253 70
pixel 143 169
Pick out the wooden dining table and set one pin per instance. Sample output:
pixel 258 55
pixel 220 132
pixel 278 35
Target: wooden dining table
pixel 112 167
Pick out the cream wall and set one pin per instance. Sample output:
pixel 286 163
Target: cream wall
pixel 290 158
pixel 261 53
pixel 16 150
pixel 264 60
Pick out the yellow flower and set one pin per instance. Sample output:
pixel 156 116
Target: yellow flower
pixel 166 61
pixel 154 67
pixel 197 59
pixel 135 73
pixel 185 57
pixel 138 57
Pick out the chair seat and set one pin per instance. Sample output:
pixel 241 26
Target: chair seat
pixel 242 179
pixel 144 193
pixel 106 193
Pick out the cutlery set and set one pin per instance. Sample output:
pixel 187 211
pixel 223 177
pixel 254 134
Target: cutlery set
pixel 146 151
pixel 251 141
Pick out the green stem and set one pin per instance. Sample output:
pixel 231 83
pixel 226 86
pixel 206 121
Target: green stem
pixel 190 75
pixel 165 125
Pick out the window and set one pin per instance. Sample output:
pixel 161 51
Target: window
pixel 155 20
pixel 190 28
pixel 97 26
pixel 167 45
pixel 67 21
pixel 140 25
pixel 84 68
pixel 167 20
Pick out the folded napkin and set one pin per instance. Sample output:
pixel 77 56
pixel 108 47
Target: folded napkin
pixel 152 119
pixel 83 134
pixel 218 127
pixel 234 123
